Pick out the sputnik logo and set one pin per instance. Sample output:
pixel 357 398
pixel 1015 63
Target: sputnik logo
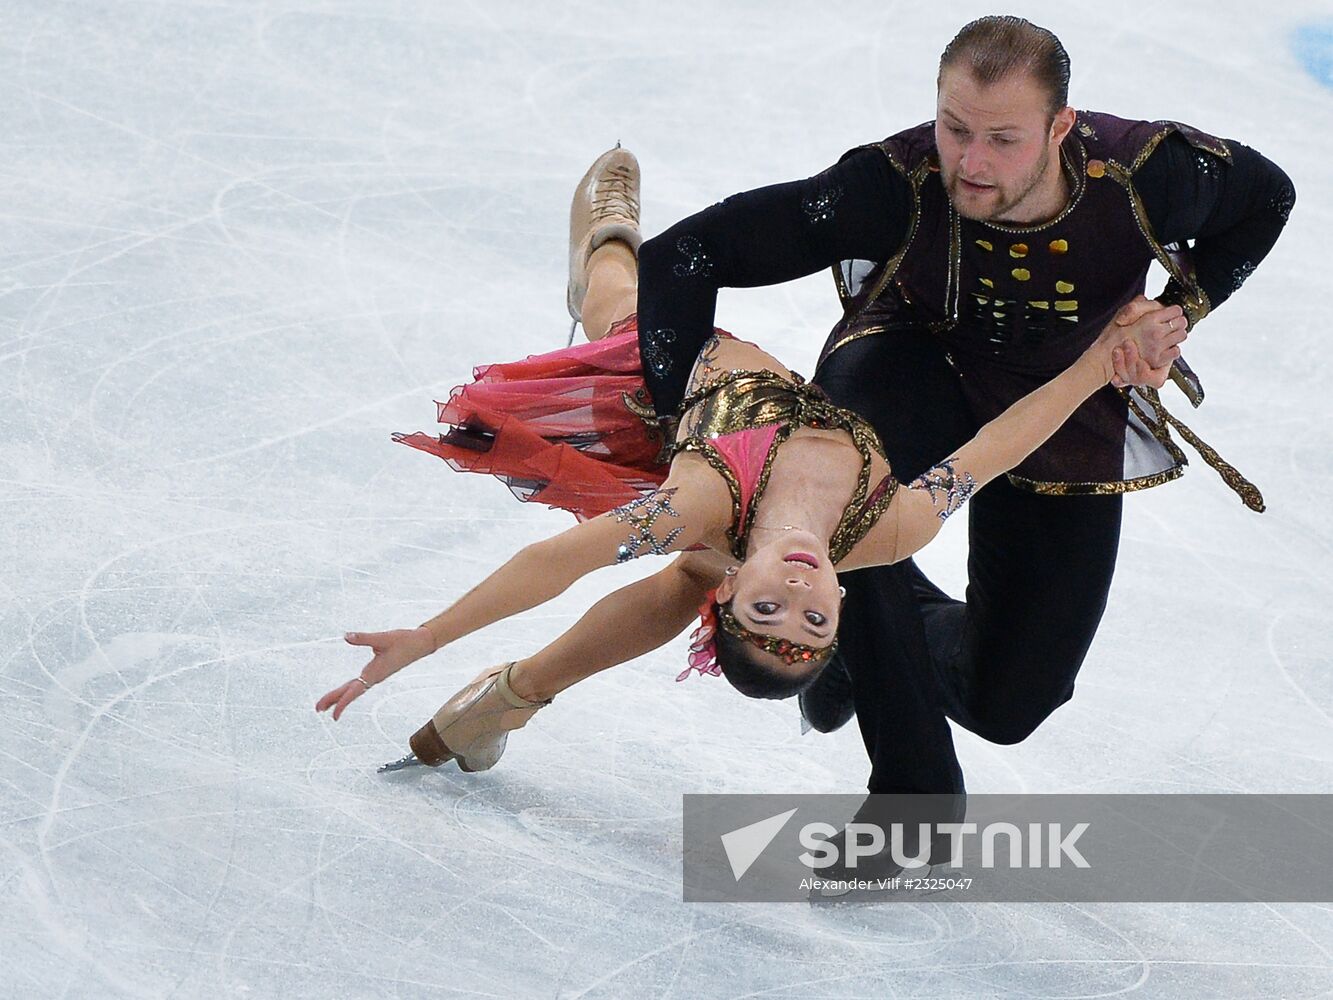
pixel 744 845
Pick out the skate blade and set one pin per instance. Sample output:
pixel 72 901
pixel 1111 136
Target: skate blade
pixel 402 762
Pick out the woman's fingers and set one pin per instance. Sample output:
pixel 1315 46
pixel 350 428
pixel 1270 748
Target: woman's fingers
pixel 392 651
pixel 333 697
pixel 351 692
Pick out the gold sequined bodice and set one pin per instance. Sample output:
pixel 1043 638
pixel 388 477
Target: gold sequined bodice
pixel 742 400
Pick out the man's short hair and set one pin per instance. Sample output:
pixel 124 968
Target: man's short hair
pixel 993 47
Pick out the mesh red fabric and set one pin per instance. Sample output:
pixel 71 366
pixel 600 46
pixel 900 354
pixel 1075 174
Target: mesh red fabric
pixel 558 428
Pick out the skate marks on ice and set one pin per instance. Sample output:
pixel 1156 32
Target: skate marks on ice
pixel 248 242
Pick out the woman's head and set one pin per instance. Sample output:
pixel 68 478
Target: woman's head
pixel 786 588
pixel 777 617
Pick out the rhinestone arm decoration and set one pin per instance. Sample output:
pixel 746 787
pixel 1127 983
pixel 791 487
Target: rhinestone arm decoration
pixel 706 365
pixel 642 515
pixel 942 483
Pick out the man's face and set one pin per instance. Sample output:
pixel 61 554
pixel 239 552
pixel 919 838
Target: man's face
pixel 995 146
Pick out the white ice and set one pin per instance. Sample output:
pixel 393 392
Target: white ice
pixel 246 241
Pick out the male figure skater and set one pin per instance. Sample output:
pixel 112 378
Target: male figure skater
pixel 975 256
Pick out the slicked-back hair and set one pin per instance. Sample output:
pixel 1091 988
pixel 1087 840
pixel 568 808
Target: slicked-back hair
pixel 995 46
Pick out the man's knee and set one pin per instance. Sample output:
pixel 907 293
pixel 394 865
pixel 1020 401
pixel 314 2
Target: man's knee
pixel 1008 724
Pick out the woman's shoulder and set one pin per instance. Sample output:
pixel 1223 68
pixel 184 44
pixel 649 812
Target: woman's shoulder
pixel 703 496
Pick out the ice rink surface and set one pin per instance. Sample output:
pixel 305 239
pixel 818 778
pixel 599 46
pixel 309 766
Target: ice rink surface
pixel 245 242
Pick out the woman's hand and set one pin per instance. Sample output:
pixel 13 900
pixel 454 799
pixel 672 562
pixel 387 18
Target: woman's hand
pixel 1142 342
pixel 393 651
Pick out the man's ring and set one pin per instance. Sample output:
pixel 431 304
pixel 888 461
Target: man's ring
pixel 363 682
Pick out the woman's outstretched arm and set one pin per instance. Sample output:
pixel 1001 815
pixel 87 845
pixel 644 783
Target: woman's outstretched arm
pixel 1006 441
pixel 670 519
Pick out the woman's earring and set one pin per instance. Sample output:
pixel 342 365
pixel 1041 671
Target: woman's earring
pixel 732 570
pixel 842 591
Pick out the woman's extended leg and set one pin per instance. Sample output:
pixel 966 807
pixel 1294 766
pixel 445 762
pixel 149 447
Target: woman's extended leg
pixel 604 243
pixel 632 621
pixel 613 288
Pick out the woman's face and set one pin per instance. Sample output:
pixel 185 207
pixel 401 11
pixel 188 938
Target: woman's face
pixel 787 588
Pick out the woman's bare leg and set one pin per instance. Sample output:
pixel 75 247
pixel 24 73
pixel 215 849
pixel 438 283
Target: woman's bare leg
pixel 613 288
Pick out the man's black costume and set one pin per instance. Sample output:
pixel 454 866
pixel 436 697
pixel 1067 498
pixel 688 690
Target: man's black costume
pixel 946 322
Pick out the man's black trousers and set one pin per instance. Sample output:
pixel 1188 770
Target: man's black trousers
pixel 1039 568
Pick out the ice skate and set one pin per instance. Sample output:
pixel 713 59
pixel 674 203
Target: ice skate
pixel 605 207
pixel 410 760
pixel 473 726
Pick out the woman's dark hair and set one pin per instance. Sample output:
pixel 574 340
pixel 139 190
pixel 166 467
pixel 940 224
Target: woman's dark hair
pixel 995 46
pixel 752 673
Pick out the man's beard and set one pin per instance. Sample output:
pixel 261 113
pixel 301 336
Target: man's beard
pixel 1006 203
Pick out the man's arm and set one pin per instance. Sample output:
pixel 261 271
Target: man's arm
pixel 857 209
pixel 1234 212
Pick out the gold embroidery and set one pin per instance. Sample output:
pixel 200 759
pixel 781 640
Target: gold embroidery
pixel 1066 305
pixel 1097 489
pixel 638 405
pixel 1243 488
pixel 955 267
pixel 1058 246
pixel 1064 287
pixel 1018 250
pixel 1021 273
pixel 1195 139
pixel 985 245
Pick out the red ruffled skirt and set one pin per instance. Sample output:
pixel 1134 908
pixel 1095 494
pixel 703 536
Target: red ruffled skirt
pixel 574 428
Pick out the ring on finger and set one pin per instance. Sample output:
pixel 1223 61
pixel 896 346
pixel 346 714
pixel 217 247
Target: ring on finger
pixel 363 682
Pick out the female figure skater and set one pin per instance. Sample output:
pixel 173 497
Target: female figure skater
pixel 769 490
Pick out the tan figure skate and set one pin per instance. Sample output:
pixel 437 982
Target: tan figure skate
pixel 605 207
pixel 472 726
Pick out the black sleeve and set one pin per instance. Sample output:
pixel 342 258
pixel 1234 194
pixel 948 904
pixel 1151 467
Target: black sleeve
pixel 857 209
pixel 1234 212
